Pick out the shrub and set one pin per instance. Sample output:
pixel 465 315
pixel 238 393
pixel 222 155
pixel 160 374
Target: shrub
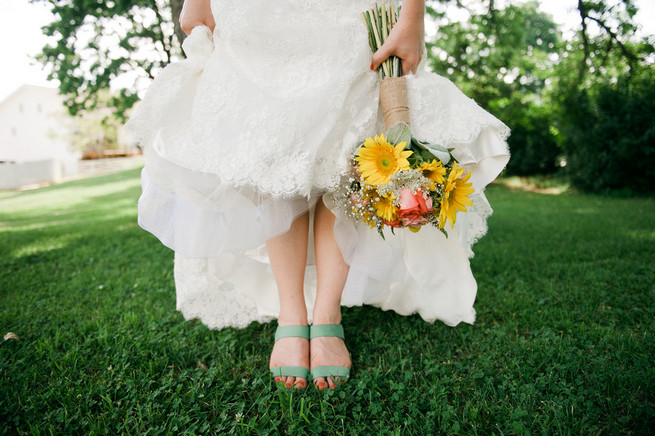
pixel 532 143
pixel 610 135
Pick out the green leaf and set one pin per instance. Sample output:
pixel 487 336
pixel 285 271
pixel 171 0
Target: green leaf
pixel 398 133
pixel 435 150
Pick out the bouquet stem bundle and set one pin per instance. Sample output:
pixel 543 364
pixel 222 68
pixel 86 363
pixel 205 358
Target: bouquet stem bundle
pixel 379 22
pixel 393 99
pixel 393 88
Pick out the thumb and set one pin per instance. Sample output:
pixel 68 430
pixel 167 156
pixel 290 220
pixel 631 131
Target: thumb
pixel 381 55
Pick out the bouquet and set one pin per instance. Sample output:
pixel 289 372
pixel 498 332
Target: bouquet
pixel 397 180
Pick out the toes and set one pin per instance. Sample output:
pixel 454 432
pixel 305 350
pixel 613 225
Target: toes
pixel 335 382
pixel 300 383
pixel 291 382
pixel 320 383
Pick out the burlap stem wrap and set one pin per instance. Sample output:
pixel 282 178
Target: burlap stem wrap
pixel 393 98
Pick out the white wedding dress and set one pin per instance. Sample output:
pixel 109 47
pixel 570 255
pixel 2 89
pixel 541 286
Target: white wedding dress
pixel 260 120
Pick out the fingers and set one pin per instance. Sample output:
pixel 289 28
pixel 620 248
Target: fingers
pixel 186 28
pixel 406 67
pixel 188 25
pixel 381 55
pixel 409 62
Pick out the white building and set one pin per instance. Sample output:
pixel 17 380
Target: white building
pixel 34 145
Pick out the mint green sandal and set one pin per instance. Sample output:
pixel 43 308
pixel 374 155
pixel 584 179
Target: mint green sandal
pixel 291 331
pixel 329 330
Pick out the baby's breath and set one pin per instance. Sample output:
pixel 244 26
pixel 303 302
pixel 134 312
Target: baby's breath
pixel 412 179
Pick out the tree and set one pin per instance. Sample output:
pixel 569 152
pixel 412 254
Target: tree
pixel 504 58
pixel 96 43
pixel 603 101
pixel 497 53
pixel 511 60
pixel 615 20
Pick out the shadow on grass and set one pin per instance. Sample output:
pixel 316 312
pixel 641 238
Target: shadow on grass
pixel 562 343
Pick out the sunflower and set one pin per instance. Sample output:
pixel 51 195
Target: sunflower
pixel 434 171
pixel 378 160
pixel 385 208
pixel 455 195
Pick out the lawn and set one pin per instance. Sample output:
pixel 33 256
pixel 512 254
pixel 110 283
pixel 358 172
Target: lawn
pixel 563 343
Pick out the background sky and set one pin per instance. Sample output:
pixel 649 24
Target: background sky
pixel 21 37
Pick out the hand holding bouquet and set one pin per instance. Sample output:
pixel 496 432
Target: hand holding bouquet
pixel 398 180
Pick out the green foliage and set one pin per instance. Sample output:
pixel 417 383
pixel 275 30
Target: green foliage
pixel 586 99
pixel 93 42
pixel 97 131
pixel 610 135
pixel 533 142
pixel 503 59
pixel 496 58
pixel 562 344
pixel 603 100
pixel 611 50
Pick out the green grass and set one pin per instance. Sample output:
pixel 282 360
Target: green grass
pixel 563 343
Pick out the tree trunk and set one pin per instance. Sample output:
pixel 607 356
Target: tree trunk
pixel 176 8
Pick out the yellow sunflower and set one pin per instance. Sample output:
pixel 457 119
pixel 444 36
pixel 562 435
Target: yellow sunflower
pixel 378 160
pixel 455 195
pixel 385 208
pixel 434 171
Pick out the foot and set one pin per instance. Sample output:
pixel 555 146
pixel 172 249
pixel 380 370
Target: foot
pixel 290 352
pixel 329 351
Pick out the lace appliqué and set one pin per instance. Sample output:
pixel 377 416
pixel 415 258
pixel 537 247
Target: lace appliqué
pixel 201 295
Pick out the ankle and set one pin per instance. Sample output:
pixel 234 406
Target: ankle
pixel 292 319
pixel 323 317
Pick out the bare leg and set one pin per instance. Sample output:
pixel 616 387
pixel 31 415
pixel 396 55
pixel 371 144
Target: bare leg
pixel 288 255
pixel 331 272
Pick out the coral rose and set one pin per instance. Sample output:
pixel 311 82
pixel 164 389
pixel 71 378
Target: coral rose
pixel 414 203
pixel 413 208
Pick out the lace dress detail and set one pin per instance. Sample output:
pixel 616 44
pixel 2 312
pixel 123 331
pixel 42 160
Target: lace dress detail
pixel 200 294
pixel 259 122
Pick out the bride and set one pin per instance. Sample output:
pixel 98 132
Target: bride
pixel 246 139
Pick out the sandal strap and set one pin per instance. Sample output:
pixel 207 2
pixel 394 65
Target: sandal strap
pixel 290 371
pixel 333 330
pixel 330 371
pixel 292 331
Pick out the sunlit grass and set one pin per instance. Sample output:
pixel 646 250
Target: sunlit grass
pixel 563 341
pixel 540 184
